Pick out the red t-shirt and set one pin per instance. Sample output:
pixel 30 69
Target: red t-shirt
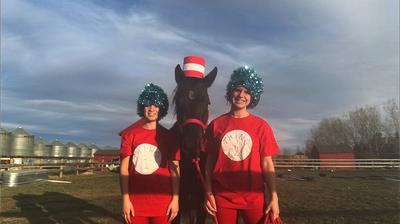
pixel 150 189
pixel 239 144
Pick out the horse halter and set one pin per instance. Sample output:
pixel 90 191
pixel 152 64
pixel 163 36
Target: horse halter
pixel 202 124
pixel 196 160
pixel 194 121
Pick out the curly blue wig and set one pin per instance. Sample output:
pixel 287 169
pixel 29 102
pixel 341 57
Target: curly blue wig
pixel 249 79
pixel 153 95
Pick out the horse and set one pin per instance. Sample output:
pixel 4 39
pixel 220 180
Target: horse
pixel 192 110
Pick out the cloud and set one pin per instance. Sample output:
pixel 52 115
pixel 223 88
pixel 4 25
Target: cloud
pixel 75 68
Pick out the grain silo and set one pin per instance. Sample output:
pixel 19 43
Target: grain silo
pixel 21 143
pixel 5 142
pixel 41 147
pixel 73 150
pixel 58 149
pixel 85 151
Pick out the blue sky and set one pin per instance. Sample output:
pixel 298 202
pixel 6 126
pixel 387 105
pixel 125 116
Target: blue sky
pixel 72 70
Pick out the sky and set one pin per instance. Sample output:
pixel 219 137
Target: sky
pixel 72 70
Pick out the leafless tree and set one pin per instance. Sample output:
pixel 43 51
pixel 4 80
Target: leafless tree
pixel 363 125
pixel 363 129
pixel 330 131
pixel 392 124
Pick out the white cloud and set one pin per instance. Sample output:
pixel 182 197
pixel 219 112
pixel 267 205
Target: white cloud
pixel 83 65
pixel 59 105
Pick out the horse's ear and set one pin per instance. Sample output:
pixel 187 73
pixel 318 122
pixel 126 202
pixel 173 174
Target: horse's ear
pixel 209 79
pixel 178 74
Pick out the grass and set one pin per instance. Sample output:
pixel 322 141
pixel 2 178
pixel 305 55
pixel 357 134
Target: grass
pixel 341 197
pixel 305 197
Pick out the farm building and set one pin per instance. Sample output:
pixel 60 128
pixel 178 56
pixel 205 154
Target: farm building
pixel 341 156
pixel 106 154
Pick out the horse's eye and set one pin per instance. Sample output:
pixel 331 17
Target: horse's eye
pixel 191 95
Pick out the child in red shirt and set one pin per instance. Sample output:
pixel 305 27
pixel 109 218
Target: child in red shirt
pixel 240 147
pixel 149 164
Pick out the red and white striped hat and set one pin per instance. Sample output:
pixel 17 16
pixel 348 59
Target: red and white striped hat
pixel 194 66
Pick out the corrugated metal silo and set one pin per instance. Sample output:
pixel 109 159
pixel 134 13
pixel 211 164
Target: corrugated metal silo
pixel 41 147
pixel 5 142
pixel 72 150
pixel 85 151
pixel 58 149
pixel 22 143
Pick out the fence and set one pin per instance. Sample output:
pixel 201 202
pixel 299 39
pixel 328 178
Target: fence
pixel 337 163
pixel 78 164
pixel 57 165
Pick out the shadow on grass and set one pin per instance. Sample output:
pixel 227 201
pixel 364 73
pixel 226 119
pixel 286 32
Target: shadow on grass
pixel 55 207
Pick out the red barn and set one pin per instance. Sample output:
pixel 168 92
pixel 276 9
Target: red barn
pixel 336 157
pixel 106 154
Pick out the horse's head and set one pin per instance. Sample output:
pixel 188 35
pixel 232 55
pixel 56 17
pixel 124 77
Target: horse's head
pixel 191 107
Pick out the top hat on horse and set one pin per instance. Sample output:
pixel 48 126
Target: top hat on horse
pixel 194 68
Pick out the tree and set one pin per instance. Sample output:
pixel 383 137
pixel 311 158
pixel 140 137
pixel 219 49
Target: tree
pixel 330 131
pixel 370 133
pixel 314 153
pixel 392 123
pixel 391 150
pixel 364 130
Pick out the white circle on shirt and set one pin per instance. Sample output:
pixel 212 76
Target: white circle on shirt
pixel 146 158
pixel 236 145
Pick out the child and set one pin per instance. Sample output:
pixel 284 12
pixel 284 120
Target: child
pixel 239 150
pixel 149 173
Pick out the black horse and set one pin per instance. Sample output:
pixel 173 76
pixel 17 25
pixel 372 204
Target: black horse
pixel 191 106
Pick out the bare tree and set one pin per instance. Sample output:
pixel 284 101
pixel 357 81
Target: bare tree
pixel 362 129
pixel 392 123
pixel 330 131
pixel 363 124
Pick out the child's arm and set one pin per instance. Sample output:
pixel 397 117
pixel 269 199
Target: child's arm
pixel 268 171
pixel 173 207
pixel 127 207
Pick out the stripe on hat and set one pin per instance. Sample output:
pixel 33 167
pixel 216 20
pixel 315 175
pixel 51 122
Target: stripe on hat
pixel 193 67
pixel 194 74
pixel 194 60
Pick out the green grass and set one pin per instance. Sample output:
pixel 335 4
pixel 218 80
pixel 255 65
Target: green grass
pixel 339 197
pixel 88 199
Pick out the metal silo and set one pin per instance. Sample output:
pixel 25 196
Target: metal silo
pixel 22 143
pixel 72 150
pixel 58 149
pixel 85 151
pixel 5 142
pixel 41 147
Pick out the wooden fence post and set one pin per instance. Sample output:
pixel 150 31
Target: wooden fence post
pixel 61 171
